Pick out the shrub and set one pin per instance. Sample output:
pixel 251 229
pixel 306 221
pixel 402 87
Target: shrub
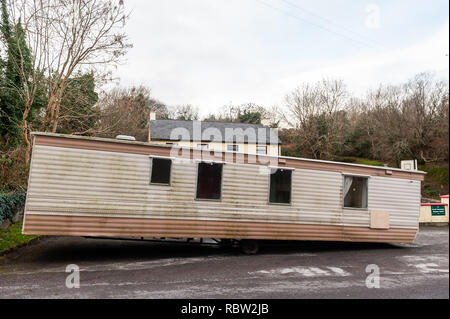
pixel 13 170
pixel 430 191
pixel 10 204
pixel 439 174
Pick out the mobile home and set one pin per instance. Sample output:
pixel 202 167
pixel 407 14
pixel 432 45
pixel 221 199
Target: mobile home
pixel 84 186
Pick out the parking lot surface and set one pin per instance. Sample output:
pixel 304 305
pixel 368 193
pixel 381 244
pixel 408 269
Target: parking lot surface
pixel 129 269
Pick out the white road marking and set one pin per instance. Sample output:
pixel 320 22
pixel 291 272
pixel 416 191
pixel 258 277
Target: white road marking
pixel 339 271
pixel 429 268
pixel 306 271
pixel 428 264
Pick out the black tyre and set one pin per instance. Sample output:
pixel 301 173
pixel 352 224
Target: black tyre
pixel 249 246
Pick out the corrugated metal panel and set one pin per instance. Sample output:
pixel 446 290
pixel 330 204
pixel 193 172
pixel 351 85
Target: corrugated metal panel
pixel 150 227
pixel 401 198
pixel 316 196
pixel 96 183
pixel 91 183
pixel 356 217
pixel 132 147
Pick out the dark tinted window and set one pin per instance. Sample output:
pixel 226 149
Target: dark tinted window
pixel 209 180
pixel 280 186
pixel 161 171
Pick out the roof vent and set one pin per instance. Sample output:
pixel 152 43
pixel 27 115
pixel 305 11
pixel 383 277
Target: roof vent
pixel 125 137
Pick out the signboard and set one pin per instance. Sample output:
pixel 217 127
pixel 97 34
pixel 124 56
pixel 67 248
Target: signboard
pixel 438 210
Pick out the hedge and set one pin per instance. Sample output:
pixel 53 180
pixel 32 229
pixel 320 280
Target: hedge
pixel 10 204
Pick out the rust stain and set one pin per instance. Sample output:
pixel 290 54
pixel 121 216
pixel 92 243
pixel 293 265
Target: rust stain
pixel 150 227
pixel 113 191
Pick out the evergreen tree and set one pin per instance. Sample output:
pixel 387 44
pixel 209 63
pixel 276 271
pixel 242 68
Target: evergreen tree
pixel 250 117
pixel 15 70
pixel 77 106
pixel 7 115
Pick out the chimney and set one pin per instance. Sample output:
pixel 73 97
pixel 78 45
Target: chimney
pixel 152 117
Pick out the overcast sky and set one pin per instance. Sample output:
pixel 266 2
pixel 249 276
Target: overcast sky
pixel 209 53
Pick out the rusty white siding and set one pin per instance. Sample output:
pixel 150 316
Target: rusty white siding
pixel 400 197
pixel 75 182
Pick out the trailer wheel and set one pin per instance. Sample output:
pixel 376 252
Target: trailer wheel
pixel 249 246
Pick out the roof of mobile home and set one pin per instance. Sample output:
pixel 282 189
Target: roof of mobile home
pixel 144 148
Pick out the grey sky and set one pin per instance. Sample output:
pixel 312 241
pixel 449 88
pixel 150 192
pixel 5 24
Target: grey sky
pixel 213 52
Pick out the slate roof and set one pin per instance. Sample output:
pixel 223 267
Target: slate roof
pixel 180 130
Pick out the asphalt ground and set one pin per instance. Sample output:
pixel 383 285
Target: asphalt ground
pixel 129 269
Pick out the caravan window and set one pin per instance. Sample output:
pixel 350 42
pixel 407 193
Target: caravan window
pixel 355 192
pixel 160 171
pixel 209 181
pixel 280 186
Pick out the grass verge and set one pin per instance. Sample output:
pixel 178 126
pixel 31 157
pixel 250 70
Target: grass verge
pixel 12 238
pixel 436 181
pixel 358 160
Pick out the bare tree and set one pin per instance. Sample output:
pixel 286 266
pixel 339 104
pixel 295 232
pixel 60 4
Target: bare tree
pixel 66 36
pixel 407 121
pixel 126 111
pixel 315 111
pixel 426 100
pixel 184 112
